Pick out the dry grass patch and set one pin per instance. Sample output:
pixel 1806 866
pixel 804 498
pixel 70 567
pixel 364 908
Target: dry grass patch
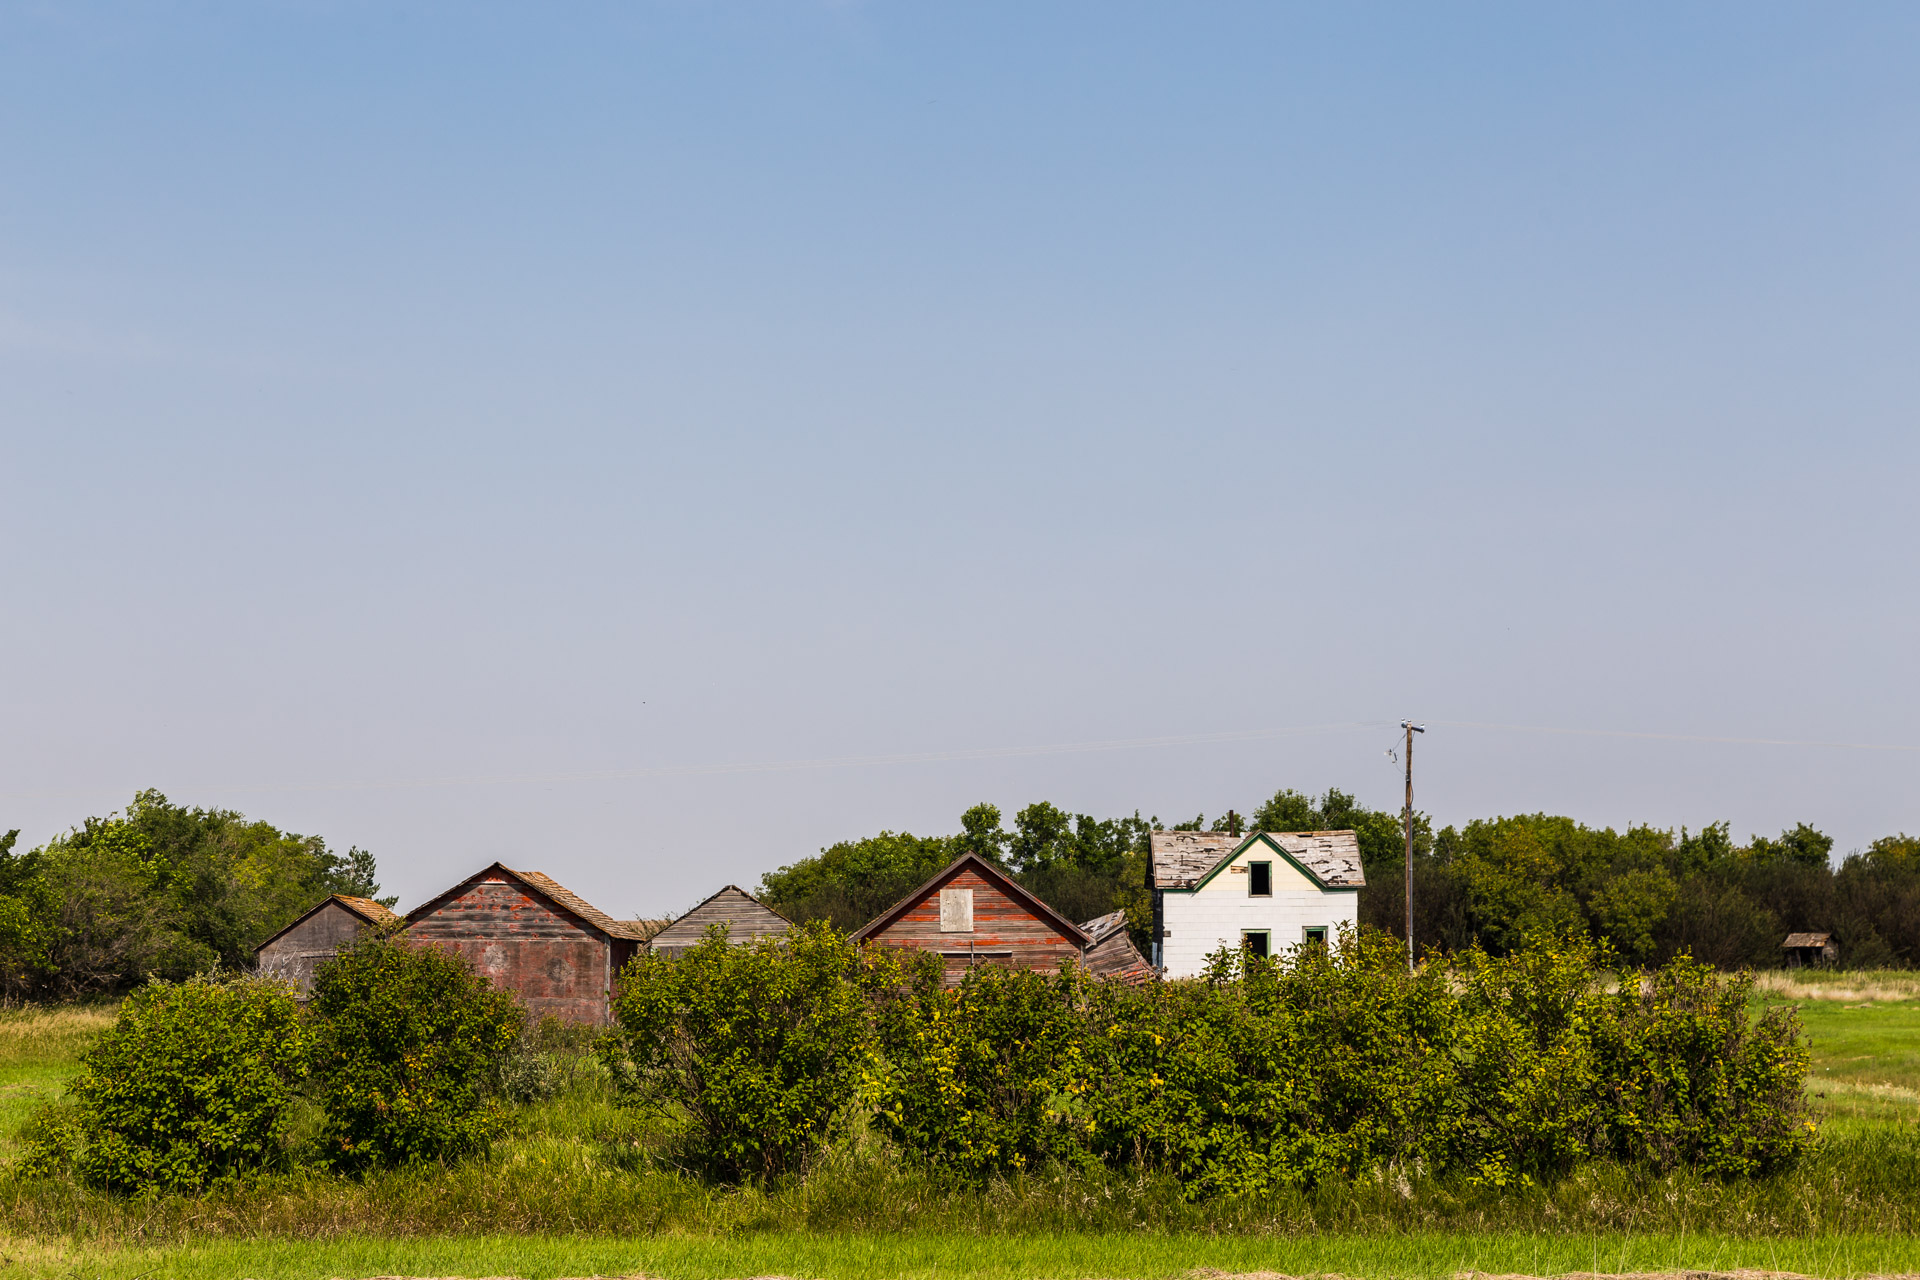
pixel 1862 986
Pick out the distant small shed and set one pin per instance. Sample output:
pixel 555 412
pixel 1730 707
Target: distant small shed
pixel 1111 953
pixel 533 936
pixel 971 913
pixel 297 950
pixel 745 917
pixel 1804 949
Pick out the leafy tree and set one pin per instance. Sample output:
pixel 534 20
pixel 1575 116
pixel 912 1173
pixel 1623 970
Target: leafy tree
pixel 850 883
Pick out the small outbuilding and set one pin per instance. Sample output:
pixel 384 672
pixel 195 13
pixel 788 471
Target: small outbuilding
pixel 297 950
pixel 1806 949
pixel 1111 953
pixel 972 913
pixel 534 937
pixel 744 916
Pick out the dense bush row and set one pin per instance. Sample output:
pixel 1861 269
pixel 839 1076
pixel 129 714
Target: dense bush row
pixel 1326 1064
pixel 1314 1068
pixel 197 1082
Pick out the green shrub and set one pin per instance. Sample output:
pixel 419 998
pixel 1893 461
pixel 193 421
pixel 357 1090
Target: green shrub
pixel 985 1077
pixel 1270 1074
pixel 408 1042
pixel 191 1086
pixel 1688 1078
pixel 762 1046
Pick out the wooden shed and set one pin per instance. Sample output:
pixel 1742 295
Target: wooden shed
pixel 1805 949
pixel 745 918
pixel 295 951
pixel 1111 953
pixel 972 913
pixel 532 936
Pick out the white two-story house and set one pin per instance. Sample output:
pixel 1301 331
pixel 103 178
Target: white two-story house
pixel 1265 891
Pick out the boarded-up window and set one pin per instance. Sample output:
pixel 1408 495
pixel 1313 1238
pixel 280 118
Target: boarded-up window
pixel 956 911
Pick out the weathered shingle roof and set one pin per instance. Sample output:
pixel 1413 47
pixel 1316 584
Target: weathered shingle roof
pixel 367 909
pixel 644 929
pixel 1100 928
pixel 565 897
pixel 1182 859
pixel 1806 940
pixel 745 916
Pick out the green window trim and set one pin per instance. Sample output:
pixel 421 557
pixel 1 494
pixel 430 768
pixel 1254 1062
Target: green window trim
pixel 1265 944
pixel 1315 933
pixel 1260 879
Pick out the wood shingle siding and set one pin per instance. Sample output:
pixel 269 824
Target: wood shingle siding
pixel 1010 927
pixel 744 916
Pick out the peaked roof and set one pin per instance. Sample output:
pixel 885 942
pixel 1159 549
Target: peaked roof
pixel 1067 928
pixel 366 908
pixel 731 905
pixel 547 887
pixel 1186 859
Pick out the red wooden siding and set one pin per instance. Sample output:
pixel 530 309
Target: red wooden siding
pixel 553 962
pixel 1004 931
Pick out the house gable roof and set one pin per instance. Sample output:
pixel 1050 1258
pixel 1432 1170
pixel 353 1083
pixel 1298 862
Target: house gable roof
pixel 1100 928
pixel 987 871
pixel 547 887
pixel 366 908
pixel 731 905
pixel 1185 860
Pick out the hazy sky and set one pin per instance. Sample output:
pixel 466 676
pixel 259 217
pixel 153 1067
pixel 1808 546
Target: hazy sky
pixel 459 429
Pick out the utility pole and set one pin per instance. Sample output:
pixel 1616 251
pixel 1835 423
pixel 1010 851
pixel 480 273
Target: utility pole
pixel 1407 818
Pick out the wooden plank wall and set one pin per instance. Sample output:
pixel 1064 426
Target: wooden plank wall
pixel 554 963
pixel 296 953
pixel 745 920
pixel 1000 925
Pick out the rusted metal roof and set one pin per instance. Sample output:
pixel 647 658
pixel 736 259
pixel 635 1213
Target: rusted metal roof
pixel 1182 859
pixel 1807 940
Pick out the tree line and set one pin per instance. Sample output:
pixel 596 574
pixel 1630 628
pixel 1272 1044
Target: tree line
pixel 157 890
pixel 1649 893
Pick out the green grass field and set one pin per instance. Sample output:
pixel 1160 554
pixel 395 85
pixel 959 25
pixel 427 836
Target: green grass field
pixel 572 1193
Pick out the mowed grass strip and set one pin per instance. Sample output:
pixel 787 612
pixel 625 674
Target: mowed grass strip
pixel 1866 1054
pixel 961 1257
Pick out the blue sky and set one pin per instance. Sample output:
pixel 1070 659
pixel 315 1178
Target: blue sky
pixel 456 429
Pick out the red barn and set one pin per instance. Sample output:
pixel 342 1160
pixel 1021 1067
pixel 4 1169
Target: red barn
pixel 528 933
pixel 971 913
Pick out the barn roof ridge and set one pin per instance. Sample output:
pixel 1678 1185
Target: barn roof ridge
pixel 547 887
pixel 1068 928
pixel 724 889
pixel 366 908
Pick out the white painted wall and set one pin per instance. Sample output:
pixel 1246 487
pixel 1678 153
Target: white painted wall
pixel 1214 915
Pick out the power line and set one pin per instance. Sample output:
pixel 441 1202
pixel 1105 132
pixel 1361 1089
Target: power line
pixel 1677 737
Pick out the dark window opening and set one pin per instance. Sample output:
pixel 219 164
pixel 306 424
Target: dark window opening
pixel 1255 941
pixel 1260 879
pixel 1317 933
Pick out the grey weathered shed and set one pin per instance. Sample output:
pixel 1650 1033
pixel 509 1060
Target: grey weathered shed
pixel 745 917
pixel 295 951
pixel 1810 949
